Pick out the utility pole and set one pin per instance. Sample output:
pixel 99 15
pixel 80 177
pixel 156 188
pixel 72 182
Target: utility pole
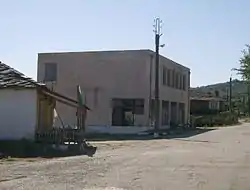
pixel 230 94
pixel 248 98
pixel 157 30
pixel 227 98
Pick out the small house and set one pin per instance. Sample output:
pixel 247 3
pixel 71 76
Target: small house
pixel 26 106
pixel 206 105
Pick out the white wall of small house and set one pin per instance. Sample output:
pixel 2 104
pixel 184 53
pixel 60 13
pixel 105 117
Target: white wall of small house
pixel 17 113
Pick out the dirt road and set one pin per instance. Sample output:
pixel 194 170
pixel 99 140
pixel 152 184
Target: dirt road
pixel 218 159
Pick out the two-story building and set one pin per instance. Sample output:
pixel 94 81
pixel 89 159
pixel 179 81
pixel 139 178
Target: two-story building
pixel 118 86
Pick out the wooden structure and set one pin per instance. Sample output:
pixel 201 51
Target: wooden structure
pixel 46 105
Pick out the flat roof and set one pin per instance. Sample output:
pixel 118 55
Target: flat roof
pixel 149 51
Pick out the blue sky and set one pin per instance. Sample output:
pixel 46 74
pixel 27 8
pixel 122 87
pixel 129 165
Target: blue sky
pixel 205 35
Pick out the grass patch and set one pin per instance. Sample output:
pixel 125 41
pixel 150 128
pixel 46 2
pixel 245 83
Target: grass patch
pixel 246 120
pixel 211 120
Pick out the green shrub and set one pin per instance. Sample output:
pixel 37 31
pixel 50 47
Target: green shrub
pixel 223 118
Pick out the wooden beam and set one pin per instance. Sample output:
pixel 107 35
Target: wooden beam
pixel 44 88
pixel 63 101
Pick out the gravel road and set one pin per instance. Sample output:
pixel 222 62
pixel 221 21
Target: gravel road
pixel 219 159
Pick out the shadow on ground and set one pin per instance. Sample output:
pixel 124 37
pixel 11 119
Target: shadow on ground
pixel 29 149
pixel 170 134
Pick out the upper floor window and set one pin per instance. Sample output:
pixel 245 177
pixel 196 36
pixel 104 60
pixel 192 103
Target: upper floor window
pixel 184 82
pixel 50 72
pixel 173 78
pixel 181 81
pixel 164 76
pixel 177 80
pixel 169 77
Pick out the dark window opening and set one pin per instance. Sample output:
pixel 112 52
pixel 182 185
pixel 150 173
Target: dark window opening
pixel 181 81
pixel 184 82
pixel 165 113
pixel 125 110
pixel 173 78
pixel 50 72
pixel 177 80
pixel 164 76
pixel 169 77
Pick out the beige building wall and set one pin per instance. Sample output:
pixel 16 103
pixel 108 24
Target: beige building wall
pixel 106 75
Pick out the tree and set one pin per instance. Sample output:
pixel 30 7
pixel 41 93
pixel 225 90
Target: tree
pixel 244 70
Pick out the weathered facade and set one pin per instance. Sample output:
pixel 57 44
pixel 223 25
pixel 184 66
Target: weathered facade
pixel 118 86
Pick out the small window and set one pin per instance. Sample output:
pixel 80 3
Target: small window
pixel 164 75
pixel 184 82
pixel 177 80
pixel 181 81
pixel 169 77
pixel 173 78
pixel 50 72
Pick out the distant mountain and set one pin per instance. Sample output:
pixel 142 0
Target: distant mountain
pixel 220 89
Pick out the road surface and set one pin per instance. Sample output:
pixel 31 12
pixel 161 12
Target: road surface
pixel 219 159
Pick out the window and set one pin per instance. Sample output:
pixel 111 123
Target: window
pixel 177 80
pixel 124 111
pixel 184 82
pixel 173 78
pixel 213 105
pixel 138 106
pixel 181 81
pixel 50 72
pixel 165 112
pixel 164 75
pixel 169 77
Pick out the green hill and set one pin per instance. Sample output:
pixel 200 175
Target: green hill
pixel 238 89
